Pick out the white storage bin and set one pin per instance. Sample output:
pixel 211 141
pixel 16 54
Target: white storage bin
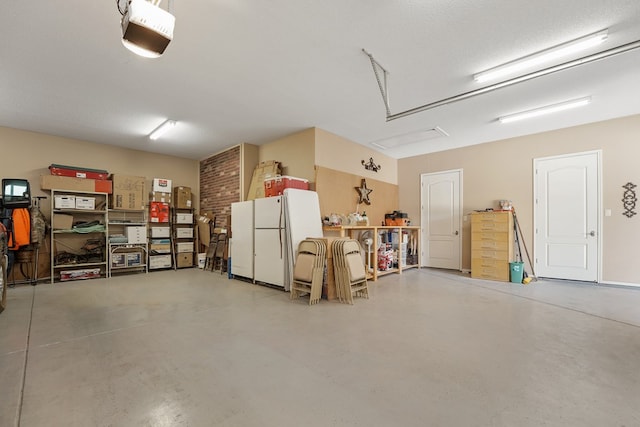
pixel 160 232
pixel 184 233
pixel 184 247
pixel 184 218
pixel 64 202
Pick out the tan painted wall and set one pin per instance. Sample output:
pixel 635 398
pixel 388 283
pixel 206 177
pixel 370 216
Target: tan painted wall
pixel 504 170
pixel 295 153
pixel 28 155
pixel 337 193
pixel 338 153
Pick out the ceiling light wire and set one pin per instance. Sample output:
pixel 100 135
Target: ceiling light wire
pixel 526 77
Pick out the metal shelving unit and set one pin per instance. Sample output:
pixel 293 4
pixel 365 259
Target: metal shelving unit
pixel 77 251
pixel 128 244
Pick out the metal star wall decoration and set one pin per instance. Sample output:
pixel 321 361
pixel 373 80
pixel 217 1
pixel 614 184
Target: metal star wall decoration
pixel 363 193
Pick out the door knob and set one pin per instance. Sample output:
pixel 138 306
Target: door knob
pixel 456 233
pixel 592 233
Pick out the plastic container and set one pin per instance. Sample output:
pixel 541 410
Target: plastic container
pixel 517 271
pixel 274 186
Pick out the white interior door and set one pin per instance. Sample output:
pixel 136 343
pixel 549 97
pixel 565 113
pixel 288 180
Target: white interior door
pixel 567 221
pixel 440 218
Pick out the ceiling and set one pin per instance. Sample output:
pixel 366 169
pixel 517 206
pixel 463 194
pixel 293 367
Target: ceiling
pixel 254 71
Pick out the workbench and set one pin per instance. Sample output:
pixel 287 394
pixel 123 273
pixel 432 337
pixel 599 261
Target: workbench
pixel 354 231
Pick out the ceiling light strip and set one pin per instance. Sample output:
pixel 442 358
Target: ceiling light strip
pixel 547 109
pixel 570 64
pixel 162 129
pixel 543 56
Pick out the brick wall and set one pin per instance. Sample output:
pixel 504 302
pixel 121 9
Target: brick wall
pixel 220 184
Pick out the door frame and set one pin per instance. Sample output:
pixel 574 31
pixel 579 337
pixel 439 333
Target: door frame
pixel 598 154
pixel 423 207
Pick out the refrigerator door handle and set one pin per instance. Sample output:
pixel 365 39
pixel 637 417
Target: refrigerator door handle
pixel 280 225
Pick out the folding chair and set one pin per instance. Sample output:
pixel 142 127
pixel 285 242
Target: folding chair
pixel 308 271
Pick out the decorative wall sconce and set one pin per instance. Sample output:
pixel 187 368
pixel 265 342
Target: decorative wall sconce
pixel 629 200
pixel 371 165
pixel 363 193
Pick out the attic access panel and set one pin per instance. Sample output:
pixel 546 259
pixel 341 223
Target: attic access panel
pixel 411 138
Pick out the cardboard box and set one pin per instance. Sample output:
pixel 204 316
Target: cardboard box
pixel 88 203
pixel 78 172
pixel 86 273
pixel 157 196
pixel 134 259
pixel 137 234
pixel 182 197
pixel 160 248
pixel 160 241
pixel 62 221
pixel 184 260
pixel 118 260
pixel 66 183
pixel 184 247
pixel 184 218
pixel 274 186
pixel 158 212
pixel 262 171
pixel 162 185
pixel 157 232
pixel 184 233
pixel 128 192
pixel 159 261
pixel 64 202
pixel 204 228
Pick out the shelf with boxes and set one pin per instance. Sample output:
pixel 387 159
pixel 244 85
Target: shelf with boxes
pixel 128 247
pixel 183 228
pixel 79 222
pixel 160 253
pixel 171 226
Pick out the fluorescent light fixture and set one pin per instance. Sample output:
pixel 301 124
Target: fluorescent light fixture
pixel 542 56
pixel 554 108
pixel 166 126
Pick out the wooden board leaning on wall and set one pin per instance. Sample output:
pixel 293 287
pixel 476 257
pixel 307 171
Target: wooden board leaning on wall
pixel 337 194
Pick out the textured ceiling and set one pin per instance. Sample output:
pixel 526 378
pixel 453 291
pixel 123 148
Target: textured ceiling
pixel 253 71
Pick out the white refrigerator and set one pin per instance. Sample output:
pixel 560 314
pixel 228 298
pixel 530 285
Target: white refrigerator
pixel 242 239
pixel 270 246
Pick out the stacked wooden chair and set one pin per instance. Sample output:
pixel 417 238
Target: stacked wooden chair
pixel 214 257
pixel 308 270
pixel 219 261
pixel 211 250
pixel 349 270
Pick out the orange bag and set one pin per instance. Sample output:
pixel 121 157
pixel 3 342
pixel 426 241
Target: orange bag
pixel 21 229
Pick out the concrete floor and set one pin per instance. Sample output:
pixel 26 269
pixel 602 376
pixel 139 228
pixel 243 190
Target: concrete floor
pixel 429 348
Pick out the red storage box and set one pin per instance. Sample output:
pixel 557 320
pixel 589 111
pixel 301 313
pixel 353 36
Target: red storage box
pixel 159 212
pixel 77 172
pixel 276 185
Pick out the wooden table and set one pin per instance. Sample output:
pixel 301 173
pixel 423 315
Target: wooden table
pixel 353 232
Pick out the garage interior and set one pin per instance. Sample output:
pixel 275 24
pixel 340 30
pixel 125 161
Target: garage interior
pixel 380 110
